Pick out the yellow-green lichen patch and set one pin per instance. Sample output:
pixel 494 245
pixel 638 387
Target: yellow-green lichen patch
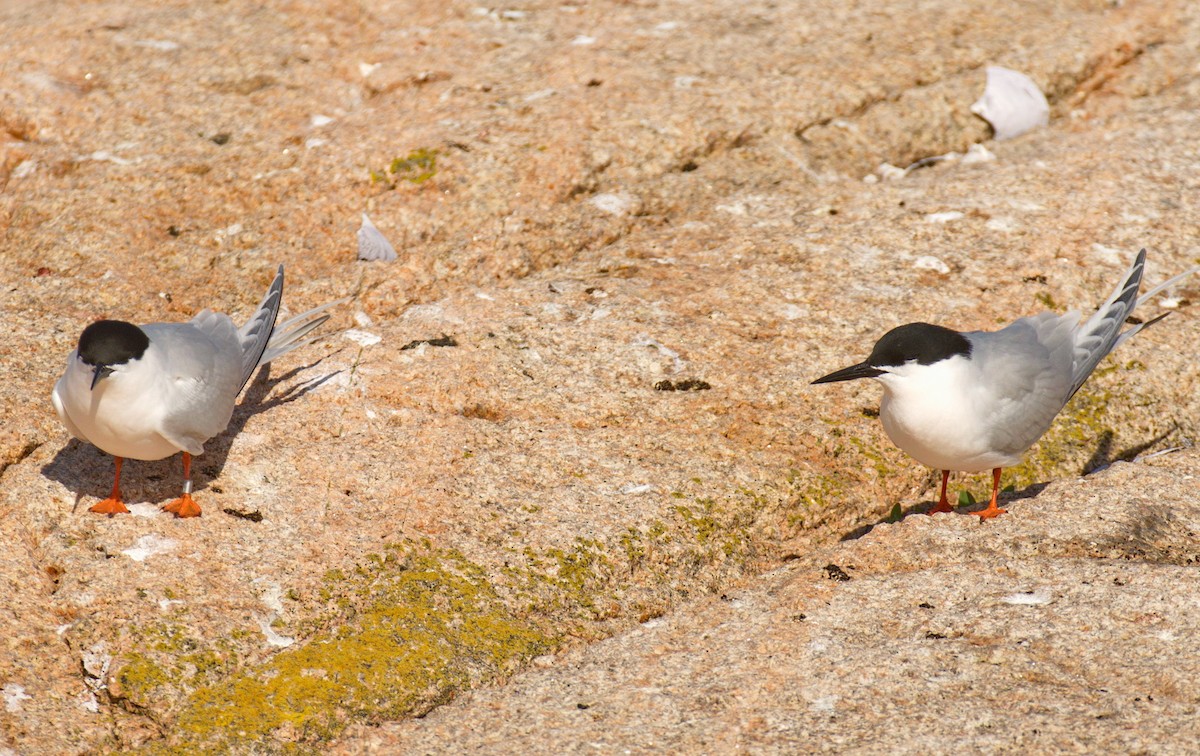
pixel 1079 431
pixel 580 570
pixel 169 662
pixel 850 468
pixel 822 491
pixel 139 679
pixel 571 584
pixel 416 167
pixel 715 529
pixel 407 629
pixel 719 539
pixel 417 629
pixel 703 542
pixel 640 547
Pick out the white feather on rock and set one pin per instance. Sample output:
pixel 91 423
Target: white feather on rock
pixel 1011 103
pixel 373 245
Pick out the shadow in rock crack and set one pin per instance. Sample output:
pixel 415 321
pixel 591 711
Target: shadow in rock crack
pixel 88 471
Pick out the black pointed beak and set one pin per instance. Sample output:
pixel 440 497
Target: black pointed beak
pixel 861 370
pixel 98 372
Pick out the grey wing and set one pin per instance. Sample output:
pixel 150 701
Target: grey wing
pixel 1102 332
pixel 202 381
pixel 1025 377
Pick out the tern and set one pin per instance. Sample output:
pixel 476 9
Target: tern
pixel 977 400
pixel 149 392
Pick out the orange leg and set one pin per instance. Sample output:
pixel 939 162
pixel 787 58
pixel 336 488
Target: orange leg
pixel 113 504
pixel 943 505
pixel 993 510
pixel 185 506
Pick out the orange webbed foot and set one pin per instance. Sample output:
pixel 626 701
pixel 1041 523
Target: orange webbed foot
pixel 990 512
pixel 943 505
pixel 109 506
pixel 184 506
pixel 992 509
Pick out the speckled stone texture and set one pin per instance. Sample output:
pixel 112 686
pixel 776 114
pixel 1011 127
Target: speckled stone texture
pixel 1068 627
pixel 475 486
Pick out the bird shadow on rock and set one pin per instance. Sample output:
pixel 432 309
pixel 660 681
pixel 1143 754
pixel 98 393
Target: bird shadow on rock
pixel 88 471
pixel 1103 456
pixel 922 508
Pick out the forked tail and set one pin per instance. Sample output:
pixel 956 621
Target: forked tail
pixel 263 341
pixel 1102 332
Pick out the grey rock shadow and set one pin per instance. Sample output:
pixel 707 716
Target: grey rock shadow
pixel 922 508
pixel 88 471
pixel 1103 456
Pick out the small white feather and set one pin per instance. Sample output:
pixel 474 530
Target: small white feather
pixel 1011 103
pixel 372 245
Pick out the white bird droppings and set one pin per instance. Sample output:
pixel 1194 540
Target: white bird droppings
pixel 24 168
pixel 148 546
pixel 1108 254
pixel 273 638
pixel 161 45
pixel 362 338
pixel 929 262
pixel 978 154
pixel 824 704
pixel 614 204
pixel 272 598
pixel 791 311
pixel 13 696
pixel 636 488
pixel 1039 597
pixel 1001 223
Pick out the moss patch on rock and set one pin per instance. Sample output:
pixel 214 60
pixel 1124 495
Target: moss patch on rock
pixel 170 657
pixel 407 629
pixel 419 626
pixel 1077 433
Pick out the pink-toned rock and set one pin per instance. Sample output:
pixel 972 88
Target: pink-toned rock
pixel 473 468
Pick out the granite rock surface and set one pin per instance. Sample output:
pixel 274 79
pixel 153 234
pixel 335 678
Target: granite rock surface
pixel 479 473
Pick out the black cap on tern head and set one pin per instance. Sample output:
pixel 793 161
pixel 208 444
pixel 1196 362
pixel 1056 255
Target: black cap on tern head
pixel 922 343
pixel 111 342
